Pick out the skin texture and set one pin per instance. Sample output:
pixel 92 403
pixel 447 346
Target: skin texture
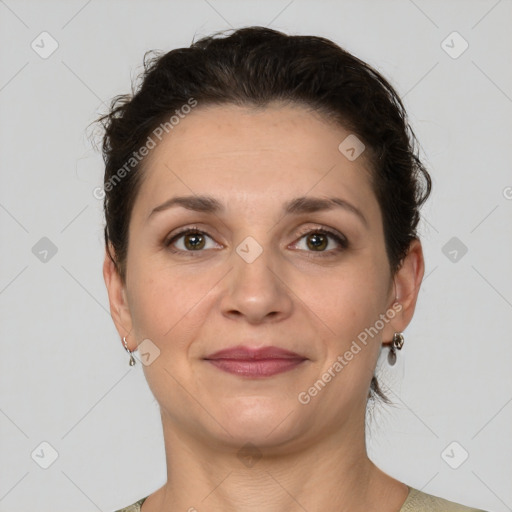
pixel 293 295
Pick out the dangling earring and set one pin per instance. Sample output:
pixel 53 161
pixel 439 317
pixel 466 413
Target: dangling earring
pixel 132 359
pixel 396 344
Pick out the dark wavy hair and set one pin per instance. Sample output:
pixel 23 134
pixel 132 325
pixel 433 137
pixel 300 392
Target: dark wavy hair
pixel 255 66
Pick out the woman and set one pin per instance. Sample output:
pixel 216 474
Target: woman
pixel 262 194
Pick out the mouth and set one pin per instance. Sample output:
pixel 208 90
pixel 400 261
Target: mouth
pixel 255 362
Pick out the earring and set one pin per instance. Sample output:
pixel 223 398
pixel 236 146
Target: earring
pixel 396 344
pixel 132 359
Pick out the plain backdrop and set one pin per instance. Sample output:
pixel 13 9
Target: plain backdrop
pixel 69 400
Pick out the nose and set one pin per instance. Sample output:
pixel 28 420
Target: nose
pixel 256 291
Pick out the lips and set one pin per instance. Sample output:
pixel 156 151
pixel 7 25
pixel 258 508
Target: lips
pixel 251 354
pixel 255 362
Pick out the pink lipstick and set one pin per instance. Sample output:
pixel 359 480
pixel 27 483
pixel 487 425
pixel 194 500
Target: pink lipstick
pixel 255 362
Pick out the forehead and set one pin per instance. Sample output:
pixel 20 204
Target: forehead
pixel 258 153
pixel 233 131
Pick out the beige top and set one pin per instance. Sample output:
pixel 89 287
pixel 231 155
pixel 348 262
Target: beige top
pixel 416 501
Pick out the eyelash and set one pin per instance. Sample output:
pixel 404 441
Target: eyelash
pixel 340 239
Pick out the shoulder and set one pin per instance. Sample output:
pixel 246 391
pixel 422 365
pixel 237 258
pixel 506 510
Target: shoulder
pixel 418 501
pixel 133 508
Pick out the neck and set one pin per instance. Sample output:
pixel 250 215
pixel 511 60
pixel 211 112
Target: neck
pixel 331 473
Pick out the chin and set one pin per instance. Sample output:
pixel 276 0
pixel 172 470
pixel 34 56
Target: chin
pixel 262 421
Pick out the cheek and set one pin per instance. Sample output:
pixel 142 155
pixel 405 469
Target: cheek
pixel 166 300
pixel 348 299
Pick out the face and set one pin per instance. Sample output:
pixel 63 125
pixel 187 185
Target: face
pixel 243 262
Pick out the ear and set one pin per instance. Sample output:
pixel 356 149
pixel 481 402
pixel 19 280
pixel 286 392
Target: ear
pixel 119 308
pixel 407 282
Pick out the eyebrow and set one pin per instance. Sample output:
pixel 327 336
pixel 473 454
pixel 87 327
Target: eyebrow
pixel 296 206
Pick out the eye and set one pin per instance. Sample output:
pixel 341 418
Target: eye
pixel 189 240
pixel 318 240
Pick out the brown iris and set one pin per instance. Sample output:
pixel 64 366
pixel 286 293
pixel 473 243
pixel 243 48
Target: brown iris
pixel 194 241
pixel 317 241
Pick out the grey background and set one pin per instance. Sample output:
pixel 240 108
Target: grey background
pixel 64 375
